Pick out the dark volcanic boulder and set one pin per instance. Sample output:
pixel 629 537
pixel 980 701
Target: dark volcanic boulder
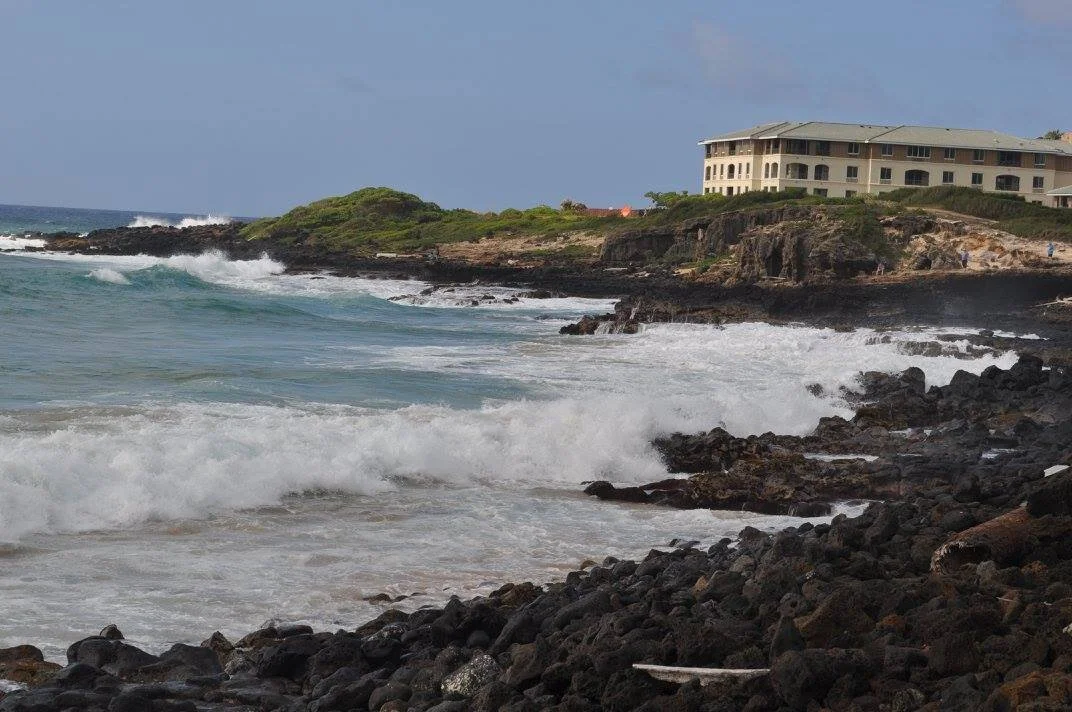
pixel 801 676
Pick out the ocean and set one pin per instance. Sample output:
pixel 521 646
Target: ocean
pixel 191 444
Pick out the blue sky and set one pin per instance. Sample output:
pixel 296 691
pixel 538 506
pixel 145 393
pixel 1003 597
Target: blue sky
pixel 250 107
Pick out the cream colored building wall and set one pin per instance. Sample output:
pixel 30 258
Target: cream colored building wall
pixel 869 172
pixel 962 174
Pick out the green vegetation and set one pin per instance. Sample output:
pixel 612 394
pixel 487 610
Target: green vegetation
pixel 1012 213
pixel 1052 135
pixel 862 224
pixel 384 220
pixel 374 220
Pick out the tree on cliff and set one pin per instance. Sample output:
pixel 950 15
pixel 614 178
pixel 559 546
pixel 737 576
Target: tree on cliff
pixel 668 199
pixel 1053 135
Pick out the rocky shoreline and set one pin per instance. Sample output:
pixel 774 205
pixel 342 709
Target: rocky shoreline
pixel 951 593
pixel 653 292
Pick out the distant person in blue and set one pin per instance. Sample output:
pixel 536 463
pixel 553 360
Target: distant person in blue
pixel 1049 250
pixel 964 259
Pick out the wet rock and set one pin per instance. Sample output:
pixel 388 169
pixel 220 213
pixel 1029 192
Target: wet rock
pixel 467 680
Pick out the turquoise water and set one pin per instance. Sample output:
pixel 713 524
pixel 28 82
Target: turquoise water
pixel 193 443
pixel 167 335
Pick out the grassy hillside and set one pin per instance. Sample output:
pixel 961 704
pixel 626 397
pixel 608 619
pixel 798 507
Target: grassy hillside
pixel 1012 213
pixel 381 219
pixel 385 220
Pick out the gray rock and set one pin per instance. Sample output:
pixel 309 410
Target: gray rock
pixel 469 678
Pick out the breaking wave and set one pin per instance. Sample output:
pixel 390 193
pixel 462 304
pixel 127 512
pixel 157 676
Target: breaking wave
pixel 99 468
pixel 106 274
pixel 193 221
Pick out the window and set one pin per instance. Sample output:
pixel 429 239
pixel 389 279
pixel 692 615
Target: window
pixel 885 175
pixel 977 180
pixel 850 193
pixel 854 149
pixel 748 170
pixel 773 146
pixel 774 170
pixel 796 171
pixel 707 150
pixel 887 149
pixel 730 174
pixel 852 174
pixel 733 148
pixel 1009 158
pixel 766 170
pixel 978 155
pixel 707 173
pixel 820 191
pixel 1038 182
pixel 916 178
pixel 706 191
pixel 822 172
pixel 721 170
pixel 949 154
pixel 1007 182
pixel 740 173
pixel 1040 160
pixel 947 177
pixel 918 151
pixel 729 190
pixel 797 146
pixel 822 148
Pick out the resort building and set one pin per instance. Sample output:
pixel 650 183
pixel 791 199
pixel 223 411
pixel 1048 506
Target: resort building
pixel 842 160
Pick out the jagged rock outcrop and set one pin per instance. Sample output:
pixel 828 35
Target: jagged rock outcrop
pixel 696 238
pixel 798 249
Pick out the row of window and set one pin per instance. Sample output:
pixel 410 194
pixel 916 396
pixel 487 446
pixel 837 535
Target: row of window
pixel 803 147
pixel 915 177
pixel 739 171
pixel 728 190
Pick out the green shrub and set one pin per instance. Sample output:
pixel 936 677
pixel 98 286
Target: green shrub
pixel 1012 213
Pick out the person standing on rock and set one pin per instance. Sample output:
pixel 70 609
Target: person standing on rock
pixel 1049 249
pixel 964 259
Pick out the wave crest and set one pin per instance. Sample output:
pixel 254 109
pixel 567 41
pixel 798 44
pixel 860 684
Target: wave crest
pixel 192 221
pixel 106 274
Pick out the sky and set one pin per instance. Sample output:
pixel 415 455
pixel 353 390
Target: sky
pixel 249 107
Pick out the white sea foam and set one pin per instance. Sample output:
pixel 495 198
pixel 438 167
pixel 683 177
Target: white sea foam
pixel 107 274
pixel 17 242
pixel 193 221
pixel 602 400
pixel 211 266
pixel 266 276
